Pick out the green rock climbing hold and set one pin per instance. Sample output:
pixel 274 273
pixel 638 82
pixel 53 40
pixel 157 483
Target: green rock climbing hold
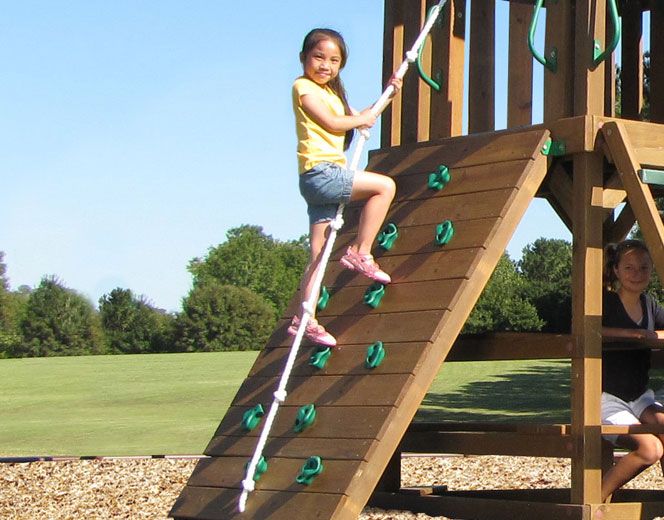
pixel 252 417
pixel 444 232
pixel 439 179
pixel 323 299
pixel 387 236
pixel 261 467
pixel 306 416
pixel 311 468
pixel 319 358
pixel 375 355
pixel 374 294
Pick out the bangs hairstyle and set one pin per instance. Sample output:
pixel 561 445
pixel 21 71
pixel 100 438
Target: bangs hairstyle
pixel 614 253
pixel 313 38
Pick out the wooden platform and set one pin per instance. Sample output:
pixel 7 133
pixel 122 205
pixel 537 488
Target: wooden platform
pixel 362 414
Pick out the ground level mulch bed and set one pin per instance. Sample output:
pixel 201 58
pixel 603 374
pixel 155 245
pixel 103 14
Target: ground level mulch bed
pixel 146 488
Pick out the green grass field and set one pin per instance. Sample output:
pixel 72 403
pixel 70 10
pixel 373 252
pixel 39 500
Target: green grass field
pixel 172 403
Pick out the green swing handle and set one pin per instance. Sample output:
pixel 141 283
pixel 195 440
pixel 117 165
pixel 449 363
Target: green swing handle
pixel 599 57
pixel 306 416
pixel 551 62
pixel 252 417
pixel 444 232
pixel 319 358
pixel 375 355
pixel 261 467
pixel 323 299
pixel 425 77
pixel 439 179
pixel 311 468
pixel 387 236
pixel 374 294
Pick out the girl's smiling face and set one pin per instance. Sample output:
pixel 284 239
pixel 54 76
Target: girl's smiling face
pixel 634 270
pixel 323 62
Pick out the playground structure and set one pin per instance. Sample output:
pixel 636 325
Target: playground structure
pixel 336 444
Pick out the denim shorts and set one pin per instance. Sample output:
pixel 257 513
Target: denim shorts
pixel 324 187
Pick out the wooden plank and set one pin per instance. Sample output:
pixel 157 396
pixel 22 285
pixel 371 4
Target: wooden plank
pixel 638 194
pixel 488 443
pixel 463 505
pixel 631 92
pixel 609 70
pixel 393 51
pixel 400 358
pixel 586 326
pixel 558 96
pixel 622 225
pixel 512 345
pixel 559 194
pixel 448 56
pixel 656 63
pixel 588 79
pixel 331 422
pixel 221 504
pixel 233 446
pixel 376 390
pixel 410 94
pixel 228 472
pixel 481 73
pixel 458 152
pixel 520 76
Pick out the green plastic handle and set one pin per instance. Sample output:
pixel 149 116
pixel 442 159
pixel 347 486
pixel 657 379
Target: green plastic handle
pixel 375 355
pixel 323 299
pixel 439 179
pixel 444 232
pixel 374 294
pixel 306 416
pixel 311 468
pixel 425 77
pixel 551 62
pixel 599 57
pixel 387 236
pixel 261 467
pixel 319 358
pixel 252 417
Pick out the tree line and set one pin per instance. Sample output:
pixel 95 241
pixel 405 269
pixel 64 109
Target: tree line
pixel 239 291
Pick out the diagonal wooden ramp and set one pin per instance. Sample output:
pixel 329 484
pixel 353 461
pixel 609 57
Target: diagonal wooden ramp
pixel 363 413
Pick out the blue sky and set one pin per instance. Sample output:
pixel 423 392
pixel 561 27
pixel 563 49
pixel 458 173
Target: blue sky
pixel 136 133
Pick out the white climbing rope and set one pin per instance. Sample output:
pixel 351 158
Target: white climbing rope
pixel 308 307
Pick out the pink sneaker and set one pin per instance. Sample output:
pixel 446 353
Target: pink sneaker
pixel 314 331
pixel 365 265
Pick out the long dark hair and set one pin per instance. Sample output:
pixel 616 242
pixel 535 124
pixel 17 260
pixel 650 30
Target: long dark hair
pixel 313 38
pixel 613 254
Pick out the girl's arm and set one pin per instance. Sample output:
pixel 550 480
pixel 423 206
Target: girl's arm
pixel 319 112
pixel 616 332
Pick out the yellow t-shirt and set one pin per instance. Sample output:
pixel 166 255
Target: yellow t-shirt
pixel 315 144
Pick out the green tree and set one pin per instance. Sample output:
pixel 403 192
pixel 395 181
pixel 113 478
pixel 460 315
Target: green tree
pixel 219 317
pixel 131 325
pixel 251 259
pixel 546 265
pixel 502 305
pixel 58 322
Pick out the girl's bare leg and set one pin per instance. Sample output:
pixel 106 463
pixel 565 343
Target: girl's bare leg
pixel 655 415
pixel 317 235
pixel 378 190
pixel 646 450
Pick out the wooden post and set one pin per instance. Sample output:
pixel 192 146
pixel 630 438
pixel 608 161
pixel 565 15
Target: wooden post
pixel 482 82
pixel 631 92
pixel 589 79
pixel 586 380
pixel 393 49
pixel 656 62
pixel 558 86
pixel 448 57
pixel 520 68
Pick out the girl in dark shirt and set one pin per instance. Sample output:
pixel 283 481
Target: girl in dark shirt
pixel 629 313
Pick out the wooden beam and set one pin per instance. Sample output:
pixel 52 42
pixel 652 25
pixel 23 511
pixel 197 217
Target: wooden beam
pixel 586 327
pixel 638 193
pixel 621 226
pixel 512 345
pixel 482 82
pixel 520 68
pixel 560 193
pixel 558 86
pixel 589 79
pixel 631 92
pixel 393 51
pixel 656 63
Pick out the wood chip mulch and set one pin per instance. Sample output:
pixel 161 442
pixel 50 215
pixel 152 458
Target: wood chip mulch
pixel 146 488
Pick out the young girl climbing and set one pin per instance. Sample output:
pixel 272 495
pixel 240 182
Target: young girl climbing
pixel 629 313
pixel 324 124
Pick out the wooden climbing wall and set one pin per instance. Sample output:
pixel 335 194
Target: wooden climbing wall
pixel 362 413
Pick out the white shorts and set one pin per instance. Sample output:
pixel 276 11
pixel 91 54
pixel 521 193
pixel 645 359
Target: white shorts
pixel 617 411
